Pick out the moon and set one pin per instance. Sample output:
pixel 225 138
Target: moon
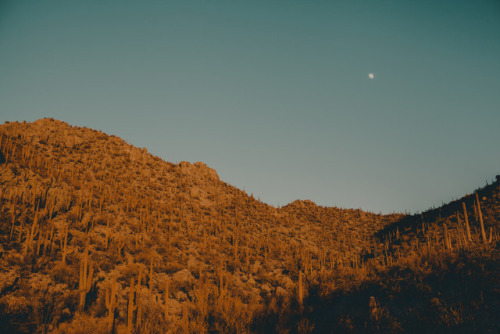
pixel 371 75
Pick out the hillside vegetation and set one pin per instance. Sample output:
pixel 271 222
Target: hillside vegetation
pixel 98 236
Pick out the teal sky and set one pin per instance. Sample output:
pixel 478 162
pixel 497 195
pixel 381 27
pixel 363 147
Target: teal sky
pixel 274 95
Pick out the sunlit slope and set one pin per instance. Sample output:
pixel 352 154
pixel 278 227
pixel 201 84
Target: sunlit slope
pixel 86 215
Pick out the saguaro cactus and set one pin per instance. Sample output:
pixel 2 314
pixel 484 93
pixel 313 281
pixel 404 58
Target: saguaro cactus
pixel 483 233
pixel 64 244
pixel 167 285
pixel 467 227
pixel 151 276
pixel 138 299
pixel 373 309
pixel 111 304
pixel 185 318
pixel 131 306
pixel 301 292
pixel 86 275
pixel 31 236
pixel 447 240
pixel 12 218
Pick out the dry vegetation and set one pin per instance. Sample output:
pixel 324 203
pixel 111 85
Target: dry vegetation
pixel 98 236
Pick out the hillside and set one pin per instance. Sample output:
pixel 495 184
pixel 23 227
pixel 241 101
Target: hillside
pixel 99 236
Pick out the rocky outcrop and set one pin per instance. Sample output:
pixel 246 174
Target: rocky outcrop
pixel 198 169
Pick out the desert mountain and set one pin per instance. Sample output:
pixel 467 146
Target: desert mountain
pixel 97 235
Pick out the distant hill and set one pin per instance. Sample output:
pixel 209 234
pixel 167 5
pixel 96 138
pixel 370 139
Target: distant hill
pixel 99 236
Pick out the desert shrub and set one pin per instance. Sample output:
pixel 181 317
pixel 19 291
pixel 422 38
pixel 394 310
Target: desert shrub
pixel 83 324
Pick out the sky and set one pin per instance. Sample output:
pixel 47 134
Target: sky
pixel 274 95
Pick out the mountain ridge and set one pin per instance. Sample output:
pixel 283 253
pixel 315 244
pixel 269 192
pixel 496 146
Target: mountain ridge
pixel 202 253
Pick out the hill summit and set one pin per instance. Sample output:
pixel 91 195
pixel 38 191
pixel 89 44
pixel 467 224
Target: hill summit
pixel 100 236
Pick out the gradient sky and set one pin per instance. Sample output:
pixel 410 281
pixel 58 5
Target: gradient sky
pixel 274 95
